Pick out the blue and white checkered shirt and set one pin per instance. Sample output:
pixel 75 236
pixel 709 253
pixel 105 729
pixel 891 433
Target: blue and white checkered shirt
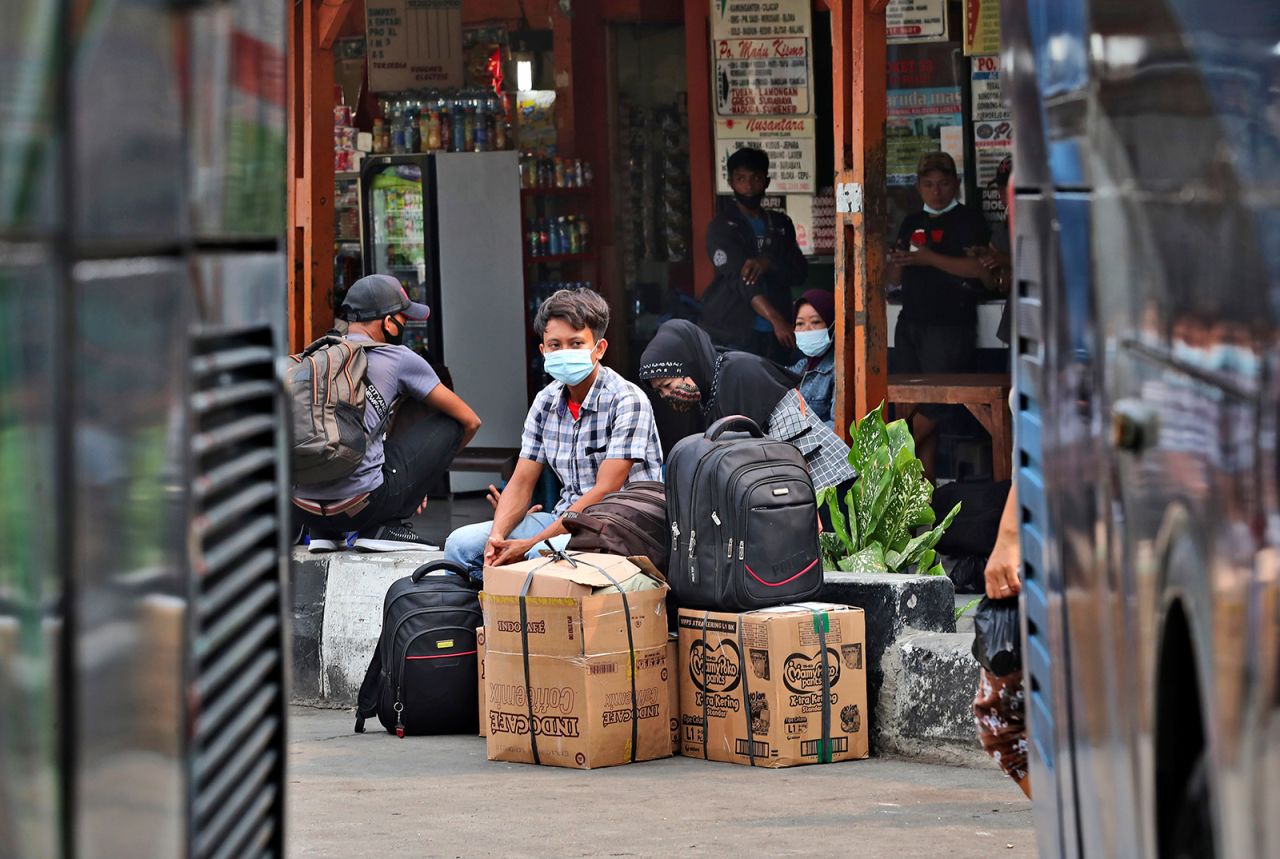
pixel 615 422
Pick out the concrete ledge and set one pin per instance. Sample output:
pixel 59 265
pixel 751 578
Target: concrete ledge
pixel 925 705
pixel 333 641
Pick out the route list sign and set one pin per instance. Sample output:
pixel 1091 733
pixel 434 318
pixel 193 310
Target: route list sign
pixel 788 141
pixel 762 82
pixel 413 44
pixel 762 77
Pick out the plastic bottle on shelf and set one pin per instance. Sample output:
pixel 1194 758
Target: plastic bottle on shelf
pixel 481 134
pixel 584 230
pixel 459 129
pixel 412 133
pixel 379 136
pixel 432 136
pixel 397 134
pixel 544 239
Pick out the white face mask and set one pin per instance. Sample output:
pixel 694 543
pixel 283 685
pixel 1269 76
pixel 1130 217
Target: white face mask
pixel 814 343
pixel 932 211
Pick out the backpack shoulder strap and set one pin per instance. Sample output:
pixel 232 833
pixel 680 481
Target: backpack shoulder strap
pixel 367 702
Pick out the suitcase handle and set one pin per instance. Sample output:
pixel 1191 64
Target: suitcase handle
pixel 733 422
pixel 432 566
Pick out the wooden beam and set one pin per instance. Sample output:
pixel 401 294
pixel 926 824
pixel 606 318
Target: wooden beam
pixel 311 183
pixel 333 13
pixel 859 54
pixel 702 159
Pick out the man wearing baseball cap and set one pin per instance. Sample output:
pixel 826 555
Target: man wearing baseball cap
pixel 942 283
pixel 430 425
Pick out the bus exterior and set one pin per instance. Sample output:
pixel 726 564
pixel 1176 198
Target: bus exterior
pixel 1147 220
pixel 143 622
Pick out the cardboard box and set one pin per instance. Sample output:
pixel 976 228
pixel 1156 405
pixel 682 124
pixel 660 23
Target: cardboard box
pixel 577 700
pixel 567 613
pixel 582 708
pixel 484 714
pixel 769 700
pixel 673 691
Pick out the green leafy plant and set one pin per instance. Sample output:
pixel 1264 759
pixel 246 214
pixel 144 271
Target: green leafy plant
pixel 961 611
pixel 888 503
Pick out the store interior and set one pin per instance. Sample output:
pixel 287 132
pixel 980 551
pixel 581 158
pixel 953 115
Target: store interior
pixel 591 115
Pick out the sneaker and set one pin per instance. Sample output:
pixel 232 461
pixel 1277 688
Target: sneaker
pixel 393 537
pixel 324 542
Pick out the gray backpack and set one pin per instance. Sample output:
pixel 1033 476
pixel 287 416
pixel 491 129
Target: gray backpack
pixel 328 385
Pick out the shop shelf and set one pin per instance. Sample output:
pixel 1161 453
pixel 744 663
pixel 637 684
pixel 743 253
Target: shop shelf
pixel 555 192
pixel 559 258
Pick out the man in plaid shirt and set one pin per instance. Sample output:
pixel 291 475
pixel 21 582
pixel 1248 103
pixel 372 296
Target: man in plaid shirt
pixel 594 428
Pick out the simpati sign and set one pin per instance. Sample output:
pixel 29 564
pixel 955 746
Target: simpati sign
pixel 909 21
pixel 756 77
pixel 788 141
pixel 413 44
pixel 759 19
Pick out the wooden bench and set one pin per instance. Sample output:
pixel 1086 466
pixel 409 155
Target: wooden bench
pixel 985 395
pixel 501 460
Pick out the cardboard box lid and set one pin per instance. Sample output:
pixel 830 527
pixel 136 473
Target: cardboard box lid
pixel 803 608
pixel 565 579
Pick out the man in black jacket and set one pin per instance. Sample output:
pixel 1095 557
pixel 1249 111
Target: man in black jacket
pixel 757 261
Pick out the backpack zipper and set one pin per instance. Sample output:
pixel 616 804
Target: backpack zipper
pixel 386 657
pixel 399 705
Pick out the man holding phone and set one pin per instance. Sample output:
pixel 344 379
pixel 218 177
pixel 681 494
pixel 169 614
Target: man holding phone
pixel 941 281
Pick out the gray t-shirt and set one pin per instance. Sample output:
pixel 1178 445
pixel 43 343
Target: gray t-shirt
pixel 395 371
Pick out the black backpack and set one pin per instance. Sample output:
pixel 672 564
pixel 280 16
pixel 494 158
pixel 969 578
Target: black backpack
pixel 422 677
pixel 744 521
pixel 630 522
pixel 974 530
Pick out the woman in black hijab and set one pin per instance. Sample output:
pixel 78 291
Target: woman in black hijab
pixel 687 371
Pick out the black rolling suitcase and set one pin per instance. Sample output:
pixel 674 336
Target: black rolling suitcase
pixel 744 521
pixel 422 677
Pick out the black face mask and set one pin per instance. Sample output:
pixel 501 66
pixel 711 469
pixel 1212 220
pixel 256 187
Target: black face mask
pixel 683 398
pixel 749 201
pixel 396 339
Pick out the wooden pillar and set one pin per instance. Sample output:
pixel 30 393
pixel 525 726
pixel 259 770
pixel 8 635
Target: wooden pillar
pixel 859 54
pixel 702 159
pixel 310 179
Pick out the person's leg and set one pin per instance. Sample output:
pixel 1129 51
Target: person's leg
pixel 941 349
pixel 465 546
pixel 419 449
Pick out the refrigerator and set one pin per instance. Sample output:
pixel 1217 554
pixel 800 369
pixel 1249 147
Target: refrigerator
pixel 448 226
pixel 143 583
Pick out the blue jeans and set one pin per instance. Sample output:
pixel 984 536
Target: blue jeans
pixel 465 546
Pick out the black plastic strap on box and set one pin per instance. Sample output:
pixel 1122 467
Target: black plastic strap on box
pixel 706 733
pixel 555 557
pixel 821 623
pixel 746 695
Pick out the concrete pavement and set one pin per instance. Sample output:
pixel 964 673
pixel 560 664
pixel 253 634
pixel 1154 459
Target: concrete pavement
pixel 375 795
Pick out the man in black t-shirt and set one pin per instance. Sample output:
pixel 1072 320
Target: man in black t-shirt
pixel 941 279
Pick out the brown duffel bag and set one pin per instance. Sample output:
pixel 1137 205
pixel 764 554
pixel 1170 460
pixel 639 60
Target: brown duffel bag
pixel 632 521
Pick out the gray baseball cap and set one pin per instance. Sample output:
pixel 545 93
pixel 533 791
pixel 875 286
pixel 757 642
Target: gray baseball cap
pixel 377 295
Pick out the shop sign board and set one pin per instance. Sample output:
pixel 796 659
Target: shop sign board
pixel 992 133
pixel 760 19
pixel 756 77
pixel 920 121
pixel 789 142
pixel 981 27
pixel 909 21
pixel 414 44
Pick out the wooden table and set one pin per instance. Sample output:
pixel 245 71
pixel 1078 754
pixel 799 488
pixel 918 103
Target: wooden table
pixel 985 395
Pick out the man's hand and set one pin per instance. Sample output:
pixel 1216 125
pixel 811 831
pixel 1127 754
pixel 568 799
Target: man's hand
pixel 785 334
pixel 499 552
pixel 494 495
pixel 1002 570
pixel 753 269
pixel 422 506
pixel 920 256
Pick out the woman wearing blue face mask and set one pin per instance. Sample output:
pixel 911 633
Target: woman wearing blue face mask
pixel 815 314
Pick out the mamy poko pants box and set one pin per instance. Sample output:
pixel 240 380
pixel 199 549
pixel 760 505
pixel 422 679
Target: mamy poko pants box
pixel 777 687
pixel 576 669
